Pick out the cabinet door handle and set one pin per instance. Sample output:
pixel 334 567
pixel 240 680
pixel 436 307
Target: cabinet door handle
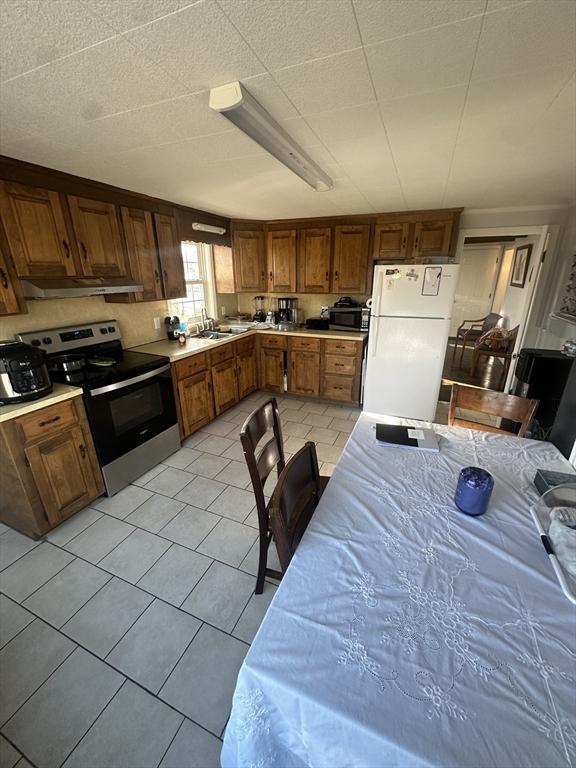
pixel 4 278
pixel 66 248
pixel 84 250
pixel 53 420
pixel 82 450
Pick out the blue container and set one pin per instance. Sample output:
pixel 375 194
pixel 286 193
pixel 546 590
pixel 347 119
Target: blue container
pixel 474 490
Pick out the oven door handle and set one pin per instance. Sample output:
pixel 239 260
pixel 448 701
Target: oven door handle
pixel 135 380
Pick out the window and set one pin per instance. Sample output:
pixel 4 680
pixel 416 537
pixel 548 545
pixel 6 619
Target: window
pixel 199 274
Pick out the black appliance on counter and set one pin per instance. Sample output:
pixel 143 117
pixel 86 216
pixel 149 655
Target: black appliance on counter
pixel 563 433
pixel 128 396
pixel 23 373
pixel 542 374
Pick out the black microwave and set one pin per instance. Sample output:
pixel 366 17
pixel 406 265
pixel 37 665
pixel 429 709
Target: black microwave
pixel 349 318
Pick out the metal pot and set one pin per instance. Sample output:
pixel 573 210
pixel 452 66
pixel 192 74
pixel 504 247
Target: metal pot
pixel 67 363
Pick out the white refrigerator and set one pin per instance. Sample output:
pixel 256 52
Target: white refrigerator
pixel 409 325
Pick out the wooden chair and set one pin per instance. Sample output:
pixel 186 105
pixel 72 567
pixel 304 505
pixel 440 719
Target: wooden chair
pixel 261 462
pixel 294 500
pixel 511 407
pixel 505 352
pixel 475 329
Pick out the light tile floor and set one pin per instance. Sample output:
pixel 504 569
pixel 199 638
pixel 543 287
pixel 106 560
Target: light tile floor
pixel 122 633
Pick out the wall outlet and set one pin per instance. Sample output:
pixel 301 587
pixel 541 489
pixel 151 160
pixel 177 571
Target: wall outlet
pixel 157 323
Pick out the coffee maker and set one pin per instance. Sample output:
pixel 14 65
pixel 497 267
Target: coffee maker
pixel 288 315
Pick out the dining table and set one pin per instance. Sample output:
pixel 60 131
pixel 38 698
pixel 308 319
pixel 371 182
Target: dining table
pixel 407 634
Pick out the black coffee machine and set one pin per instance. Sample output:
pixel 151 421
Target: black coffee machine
pixel 172 327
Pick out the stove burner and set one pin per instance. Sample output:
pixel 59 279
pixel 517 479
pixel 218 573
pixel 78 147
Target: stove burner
pixel 102 362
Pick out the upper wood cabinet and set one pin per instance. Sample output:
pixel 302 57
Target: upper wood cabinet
pixel 170 253
pixel 224 269
pixel 11 301
pixel 249 260
pixel 281 252
pixel 36 231
pixel 432 238
pixel 391 241
pixel 314 260
pixel 142 256
pixel 350 258
pixel 97 232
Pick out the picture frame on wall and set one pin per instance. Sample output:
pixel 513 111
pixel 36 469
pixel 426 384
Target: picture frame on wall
pixel 520 266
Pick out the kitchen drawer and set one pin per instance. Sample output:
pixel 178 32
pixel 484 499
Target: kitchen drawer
pixel 341 347
pixel 273 342
pixel 48 420
pixel 245 346
pixel 191 365
pixel 338 388
pixel 225 352
pixel 339 364
pixel 309 345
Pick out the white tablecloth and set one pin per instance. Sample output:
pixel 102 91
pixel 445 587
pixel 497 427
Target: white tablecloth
pixel 406 633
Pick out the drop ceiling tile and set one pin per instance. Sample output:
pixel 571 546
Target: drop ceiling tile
pixel 326 84
pixel 35 33
pixel 384 19
pixel 527 37
pixel 359 122
pixel 199 47
pixel 102 80
pixel 286 33
pixel 123 15
pixel 425 61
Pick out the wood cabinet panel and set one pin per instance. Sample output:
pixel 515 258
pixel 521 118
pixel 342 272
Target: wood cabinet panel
pixel 247 367
pixel 314 260
pixel 432 238
pixel 249 260
pixel 36 231
pixel 281 253
pixel 272 369
pixel 391 241
pixel 142 255
pixel 64 469
pixel 11 301
pixel 224 269
pixel 350 258
pixel 97 232
pixel 170 255
pixel 224 385
pixel 304 373
pixel 196 404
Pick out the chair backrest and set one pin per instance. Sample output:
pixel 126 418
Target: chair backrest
pixel 261 460
pixel 511 407
pixel 491 321
pixel 294 500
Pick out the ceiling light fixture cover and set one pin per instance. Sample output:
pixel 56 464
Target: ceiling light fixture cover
pixel 241 108
pixel 198 225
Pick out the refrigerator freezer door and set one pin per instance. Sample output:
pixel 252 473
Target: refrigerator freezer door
pixel 404 370
pixel 414 290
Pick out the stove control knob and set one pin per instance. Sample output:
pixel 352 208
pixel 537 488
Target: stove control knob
pixel 111 329
pixel 35 342
pixel 103 330
pixel 47 340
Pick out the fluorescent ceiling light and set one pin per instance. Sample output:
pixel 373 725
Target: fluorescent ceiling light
pixel 208 228
pixel 241 108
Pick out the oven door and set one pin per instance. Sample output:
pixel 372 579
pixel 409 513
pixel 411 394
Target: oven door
pixel 346 319
pixel 126 414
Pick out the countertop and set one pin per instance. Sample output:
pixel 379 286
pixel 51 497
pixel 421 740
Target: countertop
pixel 59 392
pixel 174 351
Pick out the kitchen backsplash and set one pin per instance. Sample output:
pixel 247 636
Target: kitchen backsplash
pixel 136 320
pixel 308 303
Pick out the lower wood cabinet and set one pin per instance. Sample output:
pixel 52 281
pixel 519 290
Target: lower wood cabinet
pixel 224 385
pixel 48 460
pixel 195 402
